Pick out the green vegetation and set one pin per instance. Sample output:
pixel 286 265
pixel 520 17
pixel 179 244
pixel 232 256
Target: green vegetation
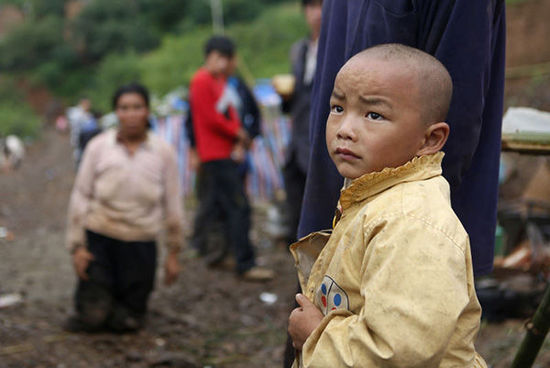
pixel 15 118
pixel 157 42
pixel 18 120
pixel 263 47
pixel 113 71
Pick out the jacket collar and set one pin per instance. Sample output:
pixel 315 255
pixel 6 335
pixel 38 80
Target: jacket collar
pixel 368 185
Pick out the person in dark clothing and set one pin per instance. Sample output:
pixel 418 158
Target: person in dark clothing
pixel 468 37
pixel 87 132
pixel 250 116
pixel 221 141
pixel 303 56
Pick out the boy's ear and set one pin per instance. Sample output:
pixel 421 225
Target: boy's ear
pixel 435 137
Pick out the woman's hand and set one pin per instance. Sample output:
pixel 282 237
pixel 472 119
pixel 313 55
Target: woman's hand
pixel 171 268
pixel 81 260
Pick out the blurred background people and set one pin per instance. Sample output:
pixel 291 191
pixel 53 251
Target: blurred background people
pixel 303 57
pixel 126 191
pixel 221 141
pixel 80 118
pixel 250 117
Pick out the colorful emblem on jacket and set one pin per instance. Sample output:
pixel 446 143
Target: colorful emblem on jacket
pixel 330 296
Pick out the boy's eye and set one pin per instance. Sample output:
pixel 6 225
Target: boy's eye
pixel 336 109
pixel 374 116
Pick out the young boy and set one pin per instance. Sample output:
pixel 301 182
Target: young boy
pixel 393 285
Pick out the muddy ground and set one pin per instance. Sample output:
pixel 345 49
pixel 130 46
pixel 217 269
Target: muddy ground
pixel 209 317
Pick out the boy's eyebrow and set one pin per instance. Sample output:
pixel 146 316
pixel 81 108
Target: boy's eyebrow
pixel 375 101
pixel 338 95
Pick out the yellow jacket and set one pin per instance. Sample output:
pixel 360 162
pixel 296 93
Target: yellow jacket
pixel 394 279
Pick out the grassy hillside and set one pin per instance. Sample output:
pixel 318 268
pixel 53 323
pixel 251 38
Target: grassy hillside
pixel 262 45
pixel 85 64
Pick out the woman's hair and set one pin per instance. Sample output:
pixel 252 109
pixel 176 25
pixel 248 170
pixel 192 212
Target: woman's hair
pixel 131 88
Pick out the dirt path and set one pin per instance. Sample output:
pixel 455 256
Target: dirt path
pixel 209 318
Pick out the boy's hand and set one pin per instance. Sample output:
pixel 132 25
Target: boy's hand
pixel 302 321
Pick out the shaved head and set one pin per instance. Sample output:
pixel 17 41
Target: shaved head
pixel 433 83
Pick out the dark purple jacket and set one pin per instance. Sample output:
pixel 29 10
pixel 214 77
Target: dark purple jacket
pixel 468 37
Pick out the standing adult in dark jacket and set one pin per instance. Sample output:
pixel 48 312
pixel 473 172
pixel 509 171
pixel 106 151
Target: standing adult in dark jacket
pixel 468 37
pixel 303 57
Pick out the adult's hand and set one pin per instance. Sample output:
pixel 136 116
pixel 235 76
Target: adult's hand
pixel 81 260
pixel 171 268
pixel 243 138
pixel 238 154
pixel 303 320
pixel 194 160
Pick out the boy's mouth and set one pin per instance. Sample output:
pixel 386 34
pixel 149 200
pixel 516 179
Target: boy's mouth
pixel 346 154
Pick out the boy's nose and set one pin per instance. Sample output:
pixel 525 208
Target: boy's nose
pixel 346 128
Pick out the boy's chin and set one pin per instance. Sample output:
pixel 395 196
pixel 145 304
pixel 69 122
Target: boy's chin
pixel 349 174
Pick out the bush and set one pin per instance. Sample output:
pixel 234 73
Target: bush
pixel 114 71
pixel 16 117
pixel 107 42
pixel 263 47
pixel 106 26
pixel 19 120
pixel 235 11
pixel 31 44
pixel 175 61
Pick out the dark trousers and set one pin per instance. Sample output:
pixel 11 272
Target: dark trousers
pixel 221 195
pixel 120 279
pixel 295 182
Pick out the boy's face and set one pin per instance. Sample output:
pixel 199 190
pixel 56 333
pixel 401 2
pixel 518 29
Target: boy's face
pixel 375 118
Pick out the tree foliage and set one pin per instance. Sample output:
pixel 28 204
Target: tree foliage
pixel 262 46
pixel 32 43
pixel 159 42
pixel 115 70
pixel 105 26
pixel 17 117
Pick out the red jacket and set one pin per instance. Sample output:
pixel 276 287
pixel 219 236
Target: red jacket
pixel 215 132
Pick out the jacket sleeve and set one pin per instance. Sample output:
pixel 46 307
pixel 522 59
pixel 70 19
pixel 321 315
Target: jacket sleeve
pixel 172 201
pixel 252 116
pixel 80 198
pixel 203 101
pixel 414 290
